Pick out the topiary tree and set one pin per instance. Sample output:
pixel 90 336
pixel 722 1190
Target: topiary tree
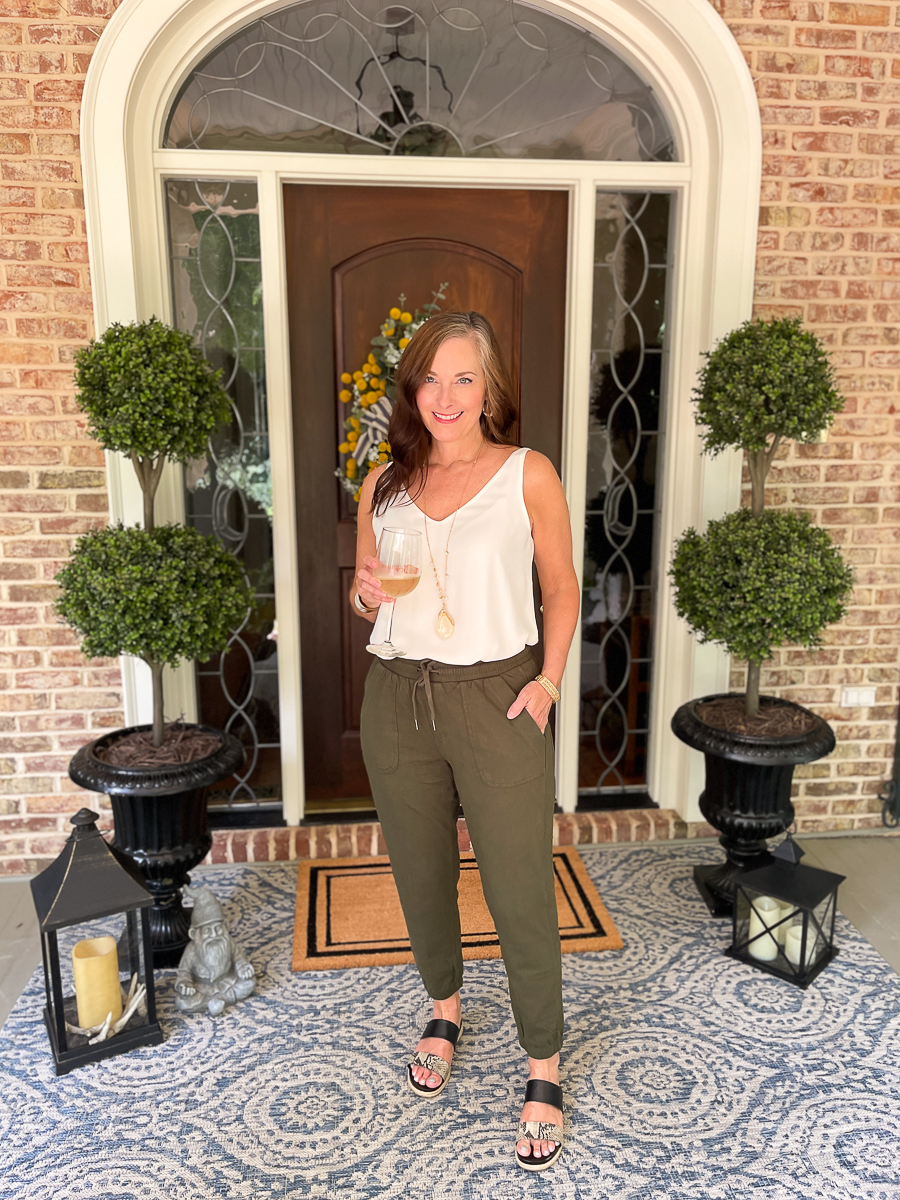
pixel 149 393
pixel 162 594
pixel 167 593
pixel 756 580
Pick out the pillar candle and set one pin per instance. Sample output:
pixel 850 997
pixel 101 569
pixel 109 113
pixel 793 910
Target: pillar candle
pixel 765 947
pixel 98 992
pixel 784 914
pixel 793 943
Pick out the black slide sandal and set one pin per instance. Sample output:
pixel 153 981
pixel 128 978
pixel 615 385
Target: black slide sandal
pixel 541 1091
pixel 447 1032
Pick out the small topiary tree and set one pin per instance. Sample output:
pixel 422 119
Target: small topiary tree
pixel 167 593
pixel 756 580
pixel 149 393
pixel 161 594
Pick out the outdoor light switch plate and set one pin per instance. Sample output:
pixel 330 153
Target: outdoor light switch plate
pixel 857 697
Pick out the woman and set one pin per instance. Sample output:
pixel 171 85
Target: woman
pixel 464 711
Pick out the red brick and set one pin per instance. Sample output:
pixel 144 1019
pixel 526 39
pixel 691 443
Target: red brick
pixel 792 10
pixel 824 143
pixel 17 197
pixel 826 39
pixel 793 64
pixel 761 35
pixel 41 170
pixel 77 701
pixel 783 114
pixel 46 379
pixel 784 215
pixel 880 93
pixel 20 250
pixel 89 503
pixel 57 144
pixel 61 89
pixel 857 66
pixel 858 14
pixel 40 224
pixel 856 117
pixel 810 289
pixel 62 35
pixel 835 264
pixel 39 116
pixel 26 824
pixel 40 276
pixel 771 87
pixel 826 89
pixel 62 198
pixel 84 454
pixel 822 193
pixel 67 252
pixel 15 143
pixel 27 353
pixel 847 217
pixel 73 302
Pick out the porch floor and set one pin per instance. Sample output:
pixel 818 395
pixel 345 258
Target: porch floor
pixel 686 1076
pixel 870 899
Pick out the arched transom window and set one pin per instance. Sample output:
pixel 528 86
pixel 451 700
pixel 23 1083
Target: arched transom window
pixel 485 78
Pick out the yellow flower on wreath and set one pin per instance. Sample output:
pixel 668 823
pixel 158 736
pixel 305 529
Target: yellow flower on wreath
pixel 362 451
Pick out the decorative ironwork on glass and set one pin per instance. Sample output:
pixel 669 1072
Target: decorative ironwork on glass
pixel 490 78
pixel 631 239
pixel 217 288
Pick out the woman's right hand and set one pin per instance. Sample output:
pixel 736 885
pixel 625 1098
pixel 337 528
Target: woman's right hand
pixel 368 586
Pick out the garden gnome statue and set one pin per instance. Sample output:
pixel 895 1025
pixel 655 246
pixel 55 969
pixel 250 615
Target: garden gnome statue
pixel 212 971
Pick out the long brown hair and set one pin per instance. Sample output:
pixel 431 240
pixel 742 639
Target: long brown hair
pixel 410 440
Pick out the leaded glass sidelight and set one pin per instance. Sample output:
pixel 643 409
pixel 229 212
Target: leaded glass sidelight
pixel 490 78
pixel 217 293
pixel 623 494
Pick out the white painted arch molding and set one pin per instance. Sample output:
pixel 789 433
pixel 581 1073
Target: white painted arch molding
pixel 150 46
pixel 700 77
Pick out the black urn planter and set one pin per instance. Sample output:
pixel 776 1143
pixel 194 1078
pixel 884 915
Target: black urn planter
pixel 748 791
pixel 161 822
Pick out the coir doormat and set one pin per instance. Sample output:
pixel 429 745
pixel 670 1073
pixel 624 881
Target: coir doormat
pixel 348 913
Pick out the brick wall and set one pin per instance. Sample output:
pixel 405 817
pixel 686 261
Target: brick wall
pixel 828 80
pixel 828 77
pixel 52 478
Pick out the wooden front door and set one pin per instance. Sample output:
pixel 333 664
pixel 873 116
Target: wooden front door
pixel 351 252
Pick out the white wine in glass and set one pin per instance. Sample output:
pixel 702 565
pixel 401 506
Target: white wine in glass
pixel 399 570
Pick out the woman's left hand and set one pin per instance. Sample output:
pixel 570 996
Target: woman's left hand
pixel 536 701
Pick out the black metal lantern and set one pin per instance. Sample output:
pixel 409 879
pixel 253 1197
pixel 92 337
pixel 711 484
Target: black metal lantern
pixel 91 881
pixel 784 917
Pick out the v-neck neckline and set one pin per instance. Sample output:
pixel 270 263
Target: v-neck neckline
pixel 486 484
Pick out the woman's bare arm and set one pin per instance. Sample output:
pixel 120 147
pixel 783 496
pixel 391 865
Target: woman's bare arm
pixel 364 582
pixel 561 596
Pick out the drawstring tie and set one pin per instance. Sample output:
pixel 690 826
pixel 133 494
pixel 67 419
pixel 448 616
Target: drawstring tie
pixel 424 669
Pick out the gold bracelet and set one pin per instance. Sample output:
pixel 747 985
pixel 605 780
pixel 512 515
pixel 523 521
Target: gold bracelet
pixel 551 690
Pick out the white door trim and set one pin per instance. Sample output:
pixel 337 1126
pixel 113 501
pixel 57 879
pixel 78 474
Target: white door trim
pixel 702 81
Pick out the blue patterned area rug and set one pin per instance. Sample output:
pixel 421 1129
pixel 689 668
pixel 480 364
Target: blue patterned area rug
pixel 687 1075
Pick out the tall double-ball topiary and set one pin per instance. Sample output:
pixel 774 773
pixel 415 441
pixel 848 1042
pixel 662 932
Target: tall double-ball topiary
pixel 161 593
pixel 758 579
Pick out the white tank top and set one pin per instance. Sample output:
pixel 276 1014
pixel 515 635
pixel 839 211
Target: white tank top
pixel 489 584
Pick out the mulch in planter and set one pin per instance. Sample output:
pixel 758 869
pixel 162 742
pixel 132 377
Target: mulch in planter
pixel 772 720
pixel 181 744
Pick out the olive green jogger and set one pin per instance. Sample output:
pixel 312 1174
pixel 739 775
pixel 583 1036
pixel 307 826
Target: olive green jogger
pixel 432 731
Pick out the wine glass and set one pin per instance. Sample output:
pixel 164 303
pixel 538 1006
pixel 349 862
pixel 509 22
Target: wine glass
pixel 398 571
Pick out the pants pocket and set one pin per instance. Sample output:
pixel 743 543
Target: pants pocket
pixel 506 752
pixel 378 728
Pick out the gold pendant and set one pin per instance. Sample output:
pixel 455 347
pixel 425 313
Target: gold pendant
pixel 444 626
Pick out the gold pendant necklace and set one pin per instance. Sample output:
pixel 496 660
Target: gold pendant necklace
pixel 445 626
